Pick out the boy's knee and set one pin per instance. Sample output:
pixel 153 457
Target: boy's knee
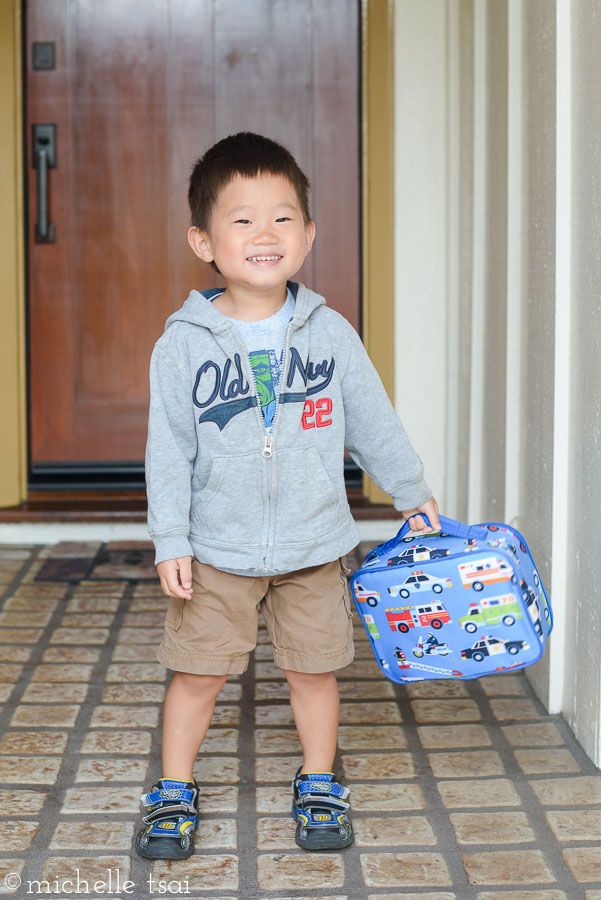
pixel 309 680
pixel 201 683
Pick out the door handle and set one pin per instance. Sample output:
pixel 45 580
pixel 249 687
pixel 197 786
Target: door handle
pixel 44 158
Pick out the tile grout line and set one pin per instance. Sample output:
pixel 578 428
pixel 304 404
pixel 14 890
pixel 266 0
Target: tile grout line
pixel 34 554
pixel 37 648
pixel 6 714
pixel 246 839
pixel 351 855
pixel 544 840
pixel 77 733
pixel 435 811
pixel 107 659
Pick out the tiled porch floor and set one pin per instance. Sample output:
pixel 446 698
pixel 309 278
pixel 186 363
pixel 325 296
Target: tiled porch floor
pixel 459 791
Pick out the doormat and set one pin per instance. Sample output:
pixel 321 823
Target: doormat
pixel 117 561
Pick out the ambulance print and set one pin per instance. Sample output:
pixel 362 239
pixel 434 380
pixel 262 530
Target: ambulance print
pixel 371 626
pixel 402 618
pixel 504 609
pixel 366 596
pixel 487 570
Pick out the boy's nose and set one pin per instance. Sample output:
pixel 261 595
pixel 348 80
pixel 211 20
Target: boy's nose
pixel 265 235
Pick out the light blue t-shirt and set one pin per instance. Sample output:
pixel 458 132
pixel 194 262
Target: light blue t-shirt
pixel 264 341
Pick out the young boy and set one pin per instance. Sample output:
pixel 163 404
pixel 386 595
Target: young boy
pixel 255 392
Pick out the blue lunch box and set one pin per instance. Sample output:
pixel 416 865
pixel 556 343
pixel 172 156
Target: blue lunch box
pixel 460 603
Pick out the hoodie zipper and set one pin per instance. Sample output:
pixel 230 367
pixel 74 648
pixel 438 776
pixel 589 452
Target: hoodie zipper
pixel 267 452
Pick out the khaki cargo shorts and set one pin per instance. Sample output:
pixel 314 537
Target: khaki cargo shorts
pixel 308 615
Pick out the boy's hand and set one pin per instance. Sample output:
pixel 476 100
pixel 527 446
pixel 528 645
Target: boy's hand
pixel 416 522
pixel 176 577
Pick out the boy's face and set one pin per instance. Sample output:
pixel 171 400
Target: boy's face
pixel 257 236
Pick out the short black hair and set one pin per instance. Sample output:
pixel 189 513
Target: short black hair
pixel 246 154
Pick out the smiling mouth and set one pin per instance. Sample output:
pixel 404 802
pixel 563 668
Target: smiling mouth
pixel 275 258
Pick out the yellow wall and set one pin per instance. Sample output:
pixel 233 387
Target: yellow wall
pixel 378 197
pixel 13 449
pixel 378 232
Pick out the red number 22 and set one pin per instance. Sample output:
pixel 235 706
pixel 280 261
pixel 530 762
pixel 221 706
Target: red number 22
pixel 319 409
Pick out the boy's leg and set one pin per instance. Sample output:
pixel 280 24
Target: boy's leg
pixel 172 805
pixel 187 714
pixel 309 618
pixel 213 632
pixel 319 803
pixel 207 638
pixel 315 702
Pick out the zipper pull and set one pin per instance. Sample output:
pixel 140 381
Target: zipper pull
pixel 266 452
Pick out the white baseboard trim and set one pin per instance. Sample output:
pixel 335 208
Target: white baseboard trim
pixel 55 532
pixel 12 533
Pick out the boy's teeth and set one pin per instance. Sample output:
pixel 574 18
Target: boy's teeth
pixel 263 258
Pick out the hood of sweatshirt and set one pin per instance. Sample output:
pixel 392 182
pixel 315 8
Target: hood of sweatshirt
pixel 199 310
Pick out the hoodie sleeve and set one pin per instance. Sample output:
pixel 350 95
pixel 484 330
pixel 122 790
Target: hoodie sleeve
pixel 375 436
pixel 170 452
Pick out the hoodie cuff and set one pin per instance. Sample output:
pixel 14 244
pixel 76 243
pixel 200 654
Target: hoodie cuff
pixel 171 546
pixel 412 495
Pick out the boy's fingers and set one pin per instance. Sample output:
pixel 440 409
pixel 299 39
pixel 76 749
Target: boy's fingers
pixel 164 586
pixel 175 576
pixel 170 585
pixel 431 510
pixel 185 572
pixel 172 589
pixel 416 523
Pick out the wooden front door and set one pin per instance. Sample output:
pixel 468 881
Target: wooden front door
pixel 137 91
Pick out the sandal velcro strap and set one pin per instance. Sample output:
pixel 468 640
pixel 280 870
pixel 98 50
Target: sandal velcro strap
pixel 322 789
pixel 167 827
pixel 162 795
pixel 164 812
pixel 310 801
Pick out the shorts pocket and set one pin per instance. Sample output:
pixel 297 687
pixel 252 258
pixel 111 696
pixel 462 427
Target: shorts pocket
pixel 175 613
pixel 344 571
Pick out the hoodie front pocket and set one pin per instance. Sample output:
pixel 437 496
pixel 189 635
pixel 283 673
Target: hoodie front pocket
pixel 229 509
pixel 307 502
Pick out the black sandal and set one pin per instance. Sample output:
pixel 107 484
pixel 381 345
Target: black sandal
pixel 320 808
pixel 172 818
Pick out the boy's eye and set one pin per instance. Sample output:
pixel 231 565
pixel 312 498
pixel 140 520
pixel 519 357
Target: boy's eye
pixel 242 222
pixel 284 219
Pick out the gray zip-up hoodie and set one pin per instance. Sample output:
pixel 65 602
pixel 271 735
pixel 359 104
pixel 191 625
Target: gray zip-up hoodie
pixel 223 491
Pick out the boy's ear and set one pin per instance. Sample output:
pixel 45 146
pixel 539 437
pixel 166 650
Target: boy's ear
pixel 309 235
pixel 200 243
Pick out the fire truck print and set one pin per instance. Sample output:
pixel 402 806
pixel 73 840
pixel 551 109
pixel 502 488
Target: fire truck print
pixel 402 618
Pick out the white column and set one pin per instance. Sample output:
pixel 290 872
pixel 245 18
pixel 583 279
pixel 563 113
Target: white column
pixel 453 225
pixel 421 230
pixel 563 292
pixel 476 424
pixel 513 379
